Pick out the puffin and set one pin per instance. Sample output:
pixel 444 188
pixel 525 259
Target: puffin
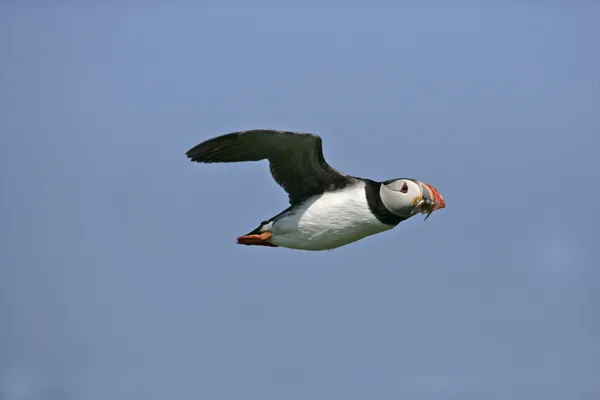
pixel 327 208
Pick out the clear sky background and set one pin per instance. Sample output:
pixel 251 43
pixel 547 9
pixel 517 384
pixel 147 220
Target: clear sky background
pixel 120 277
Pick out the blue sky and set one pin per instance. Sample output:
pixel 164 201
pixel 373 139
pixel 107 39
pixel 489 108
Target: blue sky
pixel 120 277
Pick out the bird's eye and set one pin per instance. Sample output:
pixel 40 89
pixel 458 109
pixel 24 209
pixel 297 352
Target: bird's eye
pixel 404 188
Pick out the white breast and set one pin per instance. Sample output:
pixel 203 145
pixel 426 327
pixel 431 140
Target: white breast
pixel 327 221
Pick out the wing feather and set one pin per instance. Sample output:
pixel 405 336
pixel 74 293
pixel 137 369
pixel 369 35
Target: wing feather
pixel 296 160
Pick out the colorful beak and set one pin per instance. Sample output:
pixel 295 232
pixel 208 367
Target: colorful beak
pixel 430 193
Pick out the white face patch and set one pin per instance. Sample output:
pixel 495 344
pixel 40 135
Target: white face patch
pixel 400 197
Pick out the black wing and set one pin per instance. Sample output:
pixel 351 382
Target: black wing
pixel 295 159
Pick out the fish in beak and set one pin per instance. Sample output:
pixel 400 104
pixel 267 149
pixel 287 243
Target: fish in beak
pixel 431 200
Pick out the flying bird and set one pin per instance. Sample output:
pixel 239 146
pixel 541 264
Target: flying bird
pixel 328 208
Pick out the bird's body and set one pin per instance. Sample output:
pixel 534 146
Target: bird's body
pixel 328 208
pixel 326 221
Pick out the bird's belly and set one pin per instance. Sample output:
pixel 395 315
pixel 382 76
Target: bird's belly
pixel 322 238
pixel 326 222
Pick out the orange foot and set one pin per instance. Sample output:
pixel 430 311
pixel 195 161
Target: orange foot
pixel 257 239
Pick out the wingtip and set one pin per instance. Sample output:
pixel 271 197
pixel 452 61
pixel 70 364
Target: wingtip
pixel 192 154
pixel 189 155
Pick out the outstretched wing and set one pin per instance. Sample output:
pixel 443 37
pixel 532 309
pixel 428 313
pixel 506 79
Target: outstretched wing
pixel 295 159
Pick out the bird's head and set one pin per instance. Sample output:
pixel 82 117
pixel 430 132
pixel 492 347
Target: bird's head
pixel 408 197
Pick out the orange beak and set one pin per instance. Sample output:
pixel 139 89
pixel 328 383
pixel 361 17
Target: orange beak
pixel 435 197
